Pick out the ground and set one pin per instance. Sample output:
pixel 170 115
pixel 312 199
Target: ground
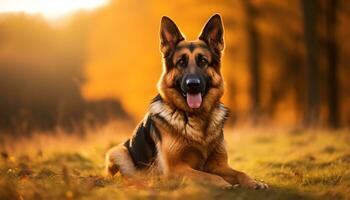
pixel 296 164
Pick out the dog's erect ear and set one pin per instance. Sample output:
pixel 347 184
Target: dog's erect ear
pixel 213 33
pixel 170 35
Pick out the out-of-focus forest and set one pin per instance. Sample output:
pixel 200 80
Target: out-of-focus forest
pixel 286 63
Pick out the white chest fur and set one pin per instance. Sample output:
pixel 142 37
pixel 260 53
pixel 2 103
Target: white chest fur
pixel 193 127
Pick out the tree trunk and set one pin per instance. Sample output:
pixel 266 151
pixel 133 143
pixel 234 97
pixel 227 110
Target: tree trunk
pixel 254 60
pixel 311 115
pixel 332 56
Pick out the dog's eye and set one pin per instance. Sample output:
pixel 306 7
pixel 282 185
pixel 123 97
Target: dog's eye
pixel 202 62
pixel 182 62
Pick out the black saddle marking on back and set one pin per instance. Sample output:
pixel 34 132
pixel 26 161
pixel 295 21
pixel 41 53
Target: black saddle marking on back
pixel 141 146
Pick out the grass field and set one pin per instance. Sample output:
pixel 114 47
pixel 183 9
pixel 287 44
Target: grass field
pixel 296 165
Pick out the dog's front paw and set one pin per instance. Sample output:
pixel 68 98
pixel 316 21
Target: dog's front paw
pixel 221 183
pixel 251 183
pixel 259 185
pixel 225 186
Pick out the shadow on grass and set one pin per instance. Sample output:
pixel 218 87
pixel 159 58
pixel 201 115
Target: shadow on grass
pixel 247 194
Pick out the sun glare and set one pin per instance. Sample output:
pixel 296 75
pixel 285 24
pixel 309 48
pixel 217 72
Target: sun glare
pixel 49 8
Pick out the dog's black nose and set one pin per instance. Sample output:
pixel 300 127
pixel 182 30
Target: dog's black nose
pixel 193 84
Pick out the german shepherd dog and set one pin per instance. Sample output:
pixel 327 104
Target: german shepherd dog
pixel 182 133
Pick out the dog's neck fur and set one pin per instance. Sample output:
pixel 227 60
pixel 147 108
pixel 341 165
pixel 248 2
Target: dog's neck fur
pixel 201 128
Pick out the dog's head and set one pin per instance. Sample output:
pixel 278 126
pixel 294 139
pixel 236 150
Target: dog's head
pixel 191 79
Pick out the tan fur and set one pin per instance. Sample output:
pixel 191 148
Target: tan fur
pixel 202 51
pixel 118 159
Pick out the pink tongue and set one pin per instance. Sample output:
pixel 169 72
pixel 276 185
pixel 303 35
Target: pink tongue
pixel 194 100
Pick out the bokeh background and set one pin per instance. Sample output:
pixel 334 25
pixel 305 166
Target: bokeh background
pixel 286 63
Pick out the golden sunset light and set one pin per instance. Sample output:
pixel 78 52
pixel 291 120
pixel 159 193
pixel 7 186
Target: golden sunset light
pixel 49 8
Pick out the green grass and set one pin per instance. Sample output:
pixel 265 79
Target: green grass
pixel 296 165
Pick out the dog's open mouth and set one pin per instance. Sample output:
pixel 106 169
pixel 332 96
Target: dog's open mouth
pixel 194 100
pixel 193 89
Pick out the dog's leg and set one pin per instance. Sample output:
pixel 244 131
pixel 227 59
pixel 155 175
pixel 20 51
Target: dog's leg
pixel 218 164
pixel 118 159
pixel 236 177
pixel 185 170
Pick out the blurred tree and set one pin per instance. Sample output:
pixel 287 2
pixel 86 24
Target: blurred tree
pixel 254 59
pixel 309 10
pixel 332 58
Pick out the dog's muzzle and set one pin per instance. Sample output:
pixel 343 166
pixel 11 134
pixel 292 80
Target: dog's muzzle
pixel 193 88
